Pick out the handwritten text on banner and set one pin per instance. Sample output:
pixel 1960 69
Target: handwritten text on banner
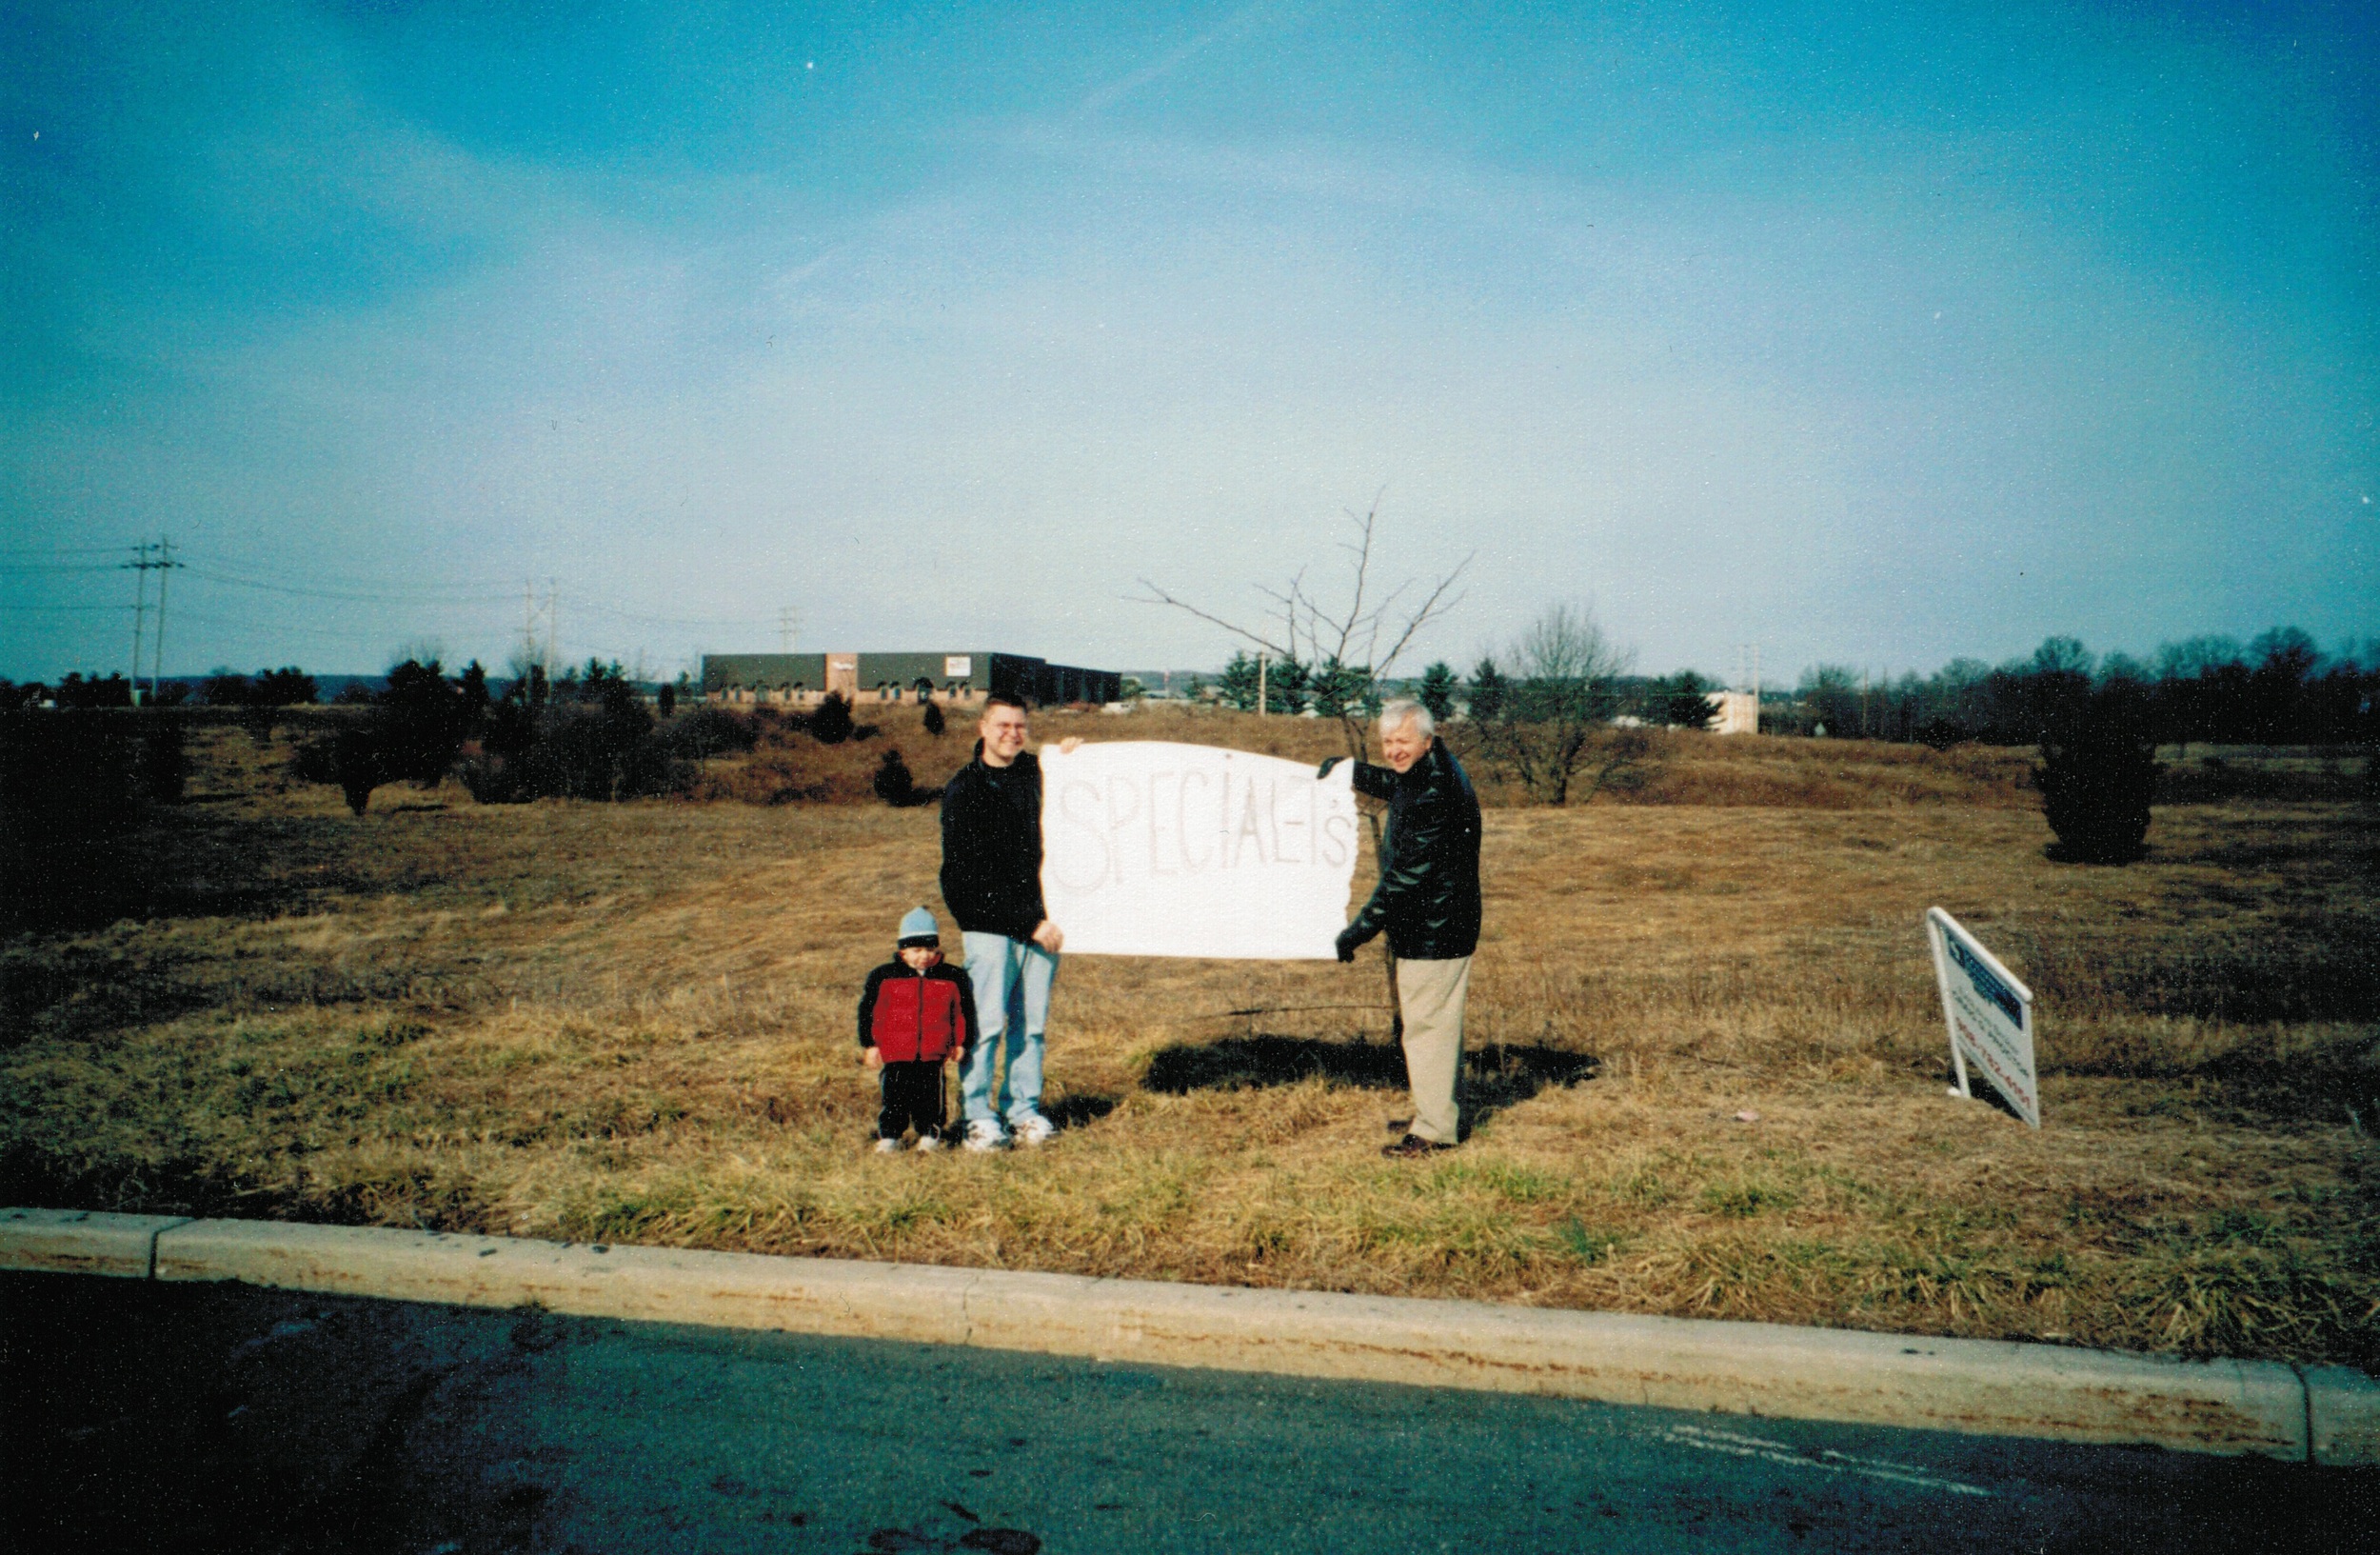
pixel 1152 849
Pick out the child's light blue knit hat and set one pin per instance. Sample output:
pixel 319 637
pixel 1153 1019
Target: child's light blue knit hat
pixel 919 927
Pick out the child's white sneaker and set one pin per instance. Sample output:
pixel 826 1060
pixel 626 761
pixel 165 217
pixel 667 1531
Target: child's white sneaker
pixel 983 1134
pixel 928 1142
pixel 1033 1129
pixel 889 1147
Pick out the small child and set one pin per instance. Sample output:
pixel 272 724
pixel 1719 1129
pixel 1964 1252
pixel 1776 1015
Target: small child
pixel 914 1013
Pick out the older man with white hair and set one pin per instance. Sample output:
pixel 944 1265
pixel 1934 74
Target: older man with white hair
pixel 1428 903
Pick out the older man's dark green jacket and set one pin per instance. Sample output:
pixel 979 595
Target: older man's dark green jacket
pixel 1428 898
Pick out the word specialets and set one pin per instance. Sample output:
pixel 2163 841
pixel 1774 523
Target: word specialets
pixel 1162 849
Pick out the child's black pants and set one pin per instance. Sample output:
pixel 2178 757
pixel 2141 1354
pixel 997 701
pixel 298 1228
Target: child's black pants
pixel 913 1095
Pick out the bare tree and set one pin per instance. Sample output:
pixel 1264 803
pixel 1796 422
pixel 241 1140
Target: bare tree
pixel 1553 730
pixel 1357 643
pixel 1360 639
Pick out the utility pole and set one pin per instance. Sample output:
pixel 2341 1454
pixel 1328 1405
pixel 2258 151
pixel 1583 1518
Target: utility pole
pixel 1263 662
pixel 167 564
pixel 149 557
pixel 535 653
pixel 138 566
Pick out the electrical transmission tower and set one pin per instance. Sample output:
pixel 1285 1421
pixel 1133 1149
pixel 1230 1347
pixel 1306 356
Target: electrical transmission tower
pixel 787 619
pixel 149 556
pixel 538 623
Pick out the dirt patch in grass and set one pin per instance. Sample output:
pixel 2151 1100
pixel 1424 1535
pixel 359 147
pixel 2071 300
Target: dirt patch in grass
pixel 633 1023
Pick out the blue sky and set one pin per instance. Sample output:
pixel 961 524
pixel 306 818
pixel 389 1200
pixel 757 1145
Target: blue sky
pixel 1876 338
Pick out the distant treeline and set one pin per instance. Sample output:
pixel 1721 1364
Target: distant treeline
pixel 287 687
pixel 2278 689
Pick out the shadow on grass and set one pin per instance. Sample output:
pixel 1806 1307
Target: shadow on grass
pixel 1078 1111
pixel 191 1183
pixel 2247 1091
pixel 187 863
pixel 1494 1076
pixel 2111 857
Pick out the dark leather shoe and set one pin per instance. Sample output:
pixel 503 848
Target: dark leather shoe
pixel 1413 1144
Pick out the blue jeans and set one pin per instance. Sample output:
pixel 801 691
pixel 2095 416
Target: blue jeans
pixel 1012 980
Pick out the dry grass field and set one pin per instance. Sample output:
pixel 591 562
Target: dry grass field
pixel 1679 768
pixel 633 1024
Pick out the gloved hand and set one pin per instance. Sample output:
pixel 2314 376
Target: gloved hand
pixel 1323 771
pixel 1348 939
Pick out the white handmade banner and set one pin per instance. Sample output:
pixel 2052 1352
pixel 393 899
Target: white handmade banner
pixel 1152 849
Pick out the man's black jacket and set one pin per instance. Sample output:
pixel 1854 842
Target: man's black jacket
pixel 1428 898
pixel 992 847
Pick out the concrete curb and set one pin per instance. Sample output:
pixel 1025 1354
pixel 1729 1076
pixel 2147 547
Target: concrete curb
pixel 83 1241
pixel 2342 1416
pixel 2325 1415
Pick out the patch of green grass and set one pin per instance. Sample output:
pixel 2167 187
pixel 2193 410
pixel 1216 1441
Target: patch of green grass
pixel 1456 1234
pixel 1505 1180
pixel 1647 1188
pixel 1954 1223
pixel 2237 1299
pixel 1741 1197
pixel 1588 1246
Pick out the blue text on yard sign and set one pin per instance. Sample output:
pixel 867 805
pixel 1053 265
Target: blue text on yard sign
pixel 1979 977
pixel 1990 1014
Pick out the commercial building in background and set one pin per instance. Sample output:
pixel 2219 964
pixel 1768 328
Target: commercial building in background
pixel 798 680
pixel 1734 712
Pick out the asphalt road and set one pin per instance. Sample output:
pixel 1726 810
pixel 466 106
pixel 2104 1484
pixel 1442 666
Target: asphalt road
pixel 197 1417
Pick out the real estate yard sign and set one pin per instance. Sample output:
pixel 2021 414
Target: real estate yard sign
pixel 1153 848
pixel 1990 1014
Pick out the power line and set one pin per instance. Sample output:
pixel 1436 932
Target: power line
pixel 349 596
pixel 430 608
pixel 621 612
pixel 453 597
pixel 283 628
pixel 275 569
pixel 60 610
pixel 60 550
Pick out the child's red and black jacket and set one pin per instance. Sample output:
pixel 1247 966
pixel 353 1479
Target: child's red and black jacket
pixel 913 1017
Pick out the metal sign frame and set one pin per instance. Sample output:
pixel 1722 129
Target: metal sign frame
pixel 1986 1007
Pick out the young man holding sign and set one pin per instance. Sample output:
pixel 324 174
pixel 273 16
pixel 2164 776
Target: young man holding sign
pixel 1428 902
pixel 992 881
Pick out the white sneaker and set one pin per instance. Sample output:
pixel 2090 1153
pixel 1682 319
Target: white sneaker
pixel 983 1134
pixel 889 1147
pixel 1033 1129
pixel 928 1142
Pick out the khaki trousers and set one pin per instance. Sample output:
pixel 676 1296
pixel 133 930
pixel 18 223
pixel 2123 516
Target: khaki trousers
pixel 1432 993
